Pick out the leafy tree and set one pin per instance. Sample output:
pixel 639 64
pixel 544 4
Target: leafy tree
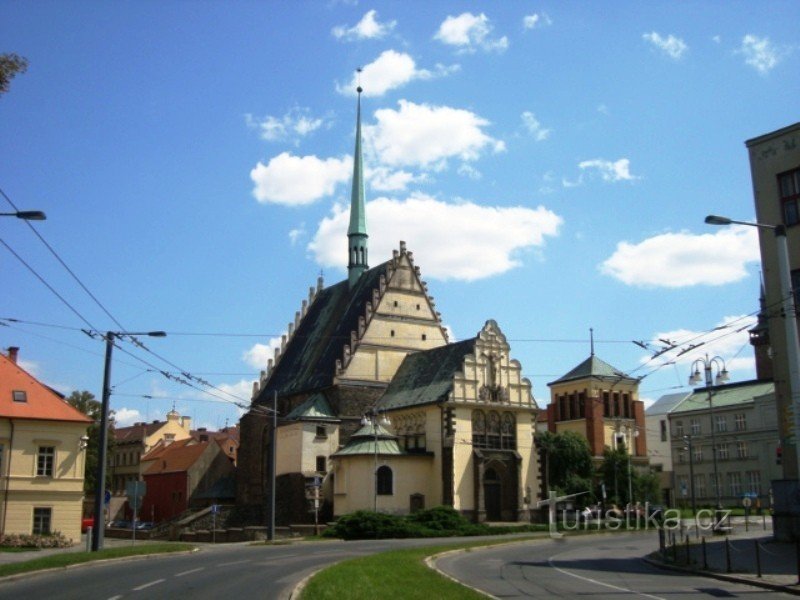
pixel 10 65
pixel 614 473
pixel 86 403
pixel 568 464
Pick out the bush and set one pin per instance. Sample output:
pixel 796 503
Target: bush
pixel 26 540
pixel 440 518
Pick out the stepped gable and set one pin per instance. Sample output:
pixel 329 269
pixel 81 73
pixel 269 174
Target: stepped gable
pixel 308 361
pixel 426 377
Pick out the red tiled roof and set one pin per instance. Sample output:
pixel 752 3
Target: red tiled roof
pixel 137 431
pixel 176 458
pixel 41 403
pixel 161 447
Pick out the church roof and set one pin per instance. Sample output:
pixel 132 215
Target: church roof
pixel 309 360
pixel 365 440
pixel 315 407
pixel 594 368
pixel 427 376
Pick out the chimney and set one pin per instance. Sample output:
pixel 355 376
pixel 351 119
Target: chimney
pixel 13 352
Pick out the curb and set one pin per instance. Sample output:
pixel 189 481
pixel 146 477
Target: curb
pixel 777 587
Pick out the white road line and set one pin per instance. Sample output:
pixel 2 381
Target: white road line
pixel 147 585
pixel 182 573
pixel 235 562
pixel 115 597
pixel 608 585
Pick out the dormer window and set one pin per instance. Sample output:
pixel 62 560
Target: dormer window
pixel 20 395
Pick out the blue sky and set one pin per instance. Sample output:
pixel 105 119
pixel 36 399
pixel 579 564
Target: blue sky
pixel 549 164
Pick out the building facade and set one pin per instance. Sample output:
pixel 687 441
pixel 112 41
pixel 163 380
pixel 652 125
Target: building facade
pixel 42 455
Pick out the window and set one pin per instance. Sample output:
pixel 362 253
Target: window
pixel 322 464
pixel 508 432
pixel 698 454
pixel 493 430
pixel 740 422
pixel 735 483
pixel 44 461
pixel 424 337
pixel 683 485
pixel 19 395
pixel 721 423
pixel 695 426
pixel 699 486
pixel 741 449
pixel 478 429
pixel 321 432
pixel 722 452
pixel 42 518
pixel 395 303
pixel 418 307
pixel 789 188
pixel 678 429
pixel 754 482
pixel 681 457
pixel 663 424
pixel 391 333
pixel 384 481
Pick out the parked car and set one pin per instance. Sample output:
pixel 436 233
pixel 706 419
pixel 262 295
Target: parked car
pixel 144 525
pixel 120 524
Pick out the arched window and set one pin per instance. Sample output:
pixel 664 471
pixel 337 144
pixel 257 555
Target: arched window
pixel 493 430
pixel 508 432
pixel 478 429
pixel 384 481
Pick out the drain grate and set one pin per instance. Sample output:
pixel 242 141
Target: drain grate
pixel 716 592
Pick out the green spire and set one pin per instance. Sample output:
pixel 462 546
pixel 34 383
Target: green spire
pixel 357 232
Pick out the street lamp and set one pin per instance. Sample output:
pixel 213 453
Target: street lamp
pixel 722 377
pixel 632 433
pixel 789 318
pixel 376 419
pixel 687 441
pixel 28 215
pixel 100 484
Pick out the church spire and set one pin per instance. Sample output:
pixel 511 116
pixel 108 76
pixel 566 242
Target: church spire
pixel 357 232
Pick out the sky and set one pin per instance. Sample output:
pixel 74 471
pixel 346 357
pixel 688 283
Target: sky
pixel 549 164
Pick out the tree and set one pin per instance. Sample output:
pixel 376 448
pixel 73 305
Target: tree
pixel 86 403
pixel 10 65
pixel 614 473
pixel 568 464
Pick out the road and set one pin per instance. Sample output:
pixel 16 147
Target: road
pixel 607 567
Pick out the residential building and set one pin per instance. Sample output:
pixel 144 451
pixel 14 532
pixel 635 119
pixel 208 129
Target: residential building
pixel 740 420
pixel 461 416
pixel 42 455
pixel 659 442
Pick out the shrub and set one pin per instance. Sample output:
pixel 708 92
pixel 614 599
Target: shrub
pixel 26 540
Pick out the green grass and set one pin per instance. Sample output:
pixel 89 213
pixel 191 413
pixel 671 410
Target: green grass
pixel 12 549
pixel 65 559
pixel 382 575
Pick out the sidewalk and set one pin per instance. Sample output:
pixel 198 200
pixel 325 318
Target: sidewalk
pixel 736 557
pixel 13 557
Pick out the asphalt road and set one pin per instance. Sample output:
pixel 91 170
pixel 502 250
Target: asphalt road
pixel 607 567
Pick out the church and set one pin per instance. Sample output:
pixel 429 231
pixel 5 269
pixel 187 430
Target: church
pixel 378 410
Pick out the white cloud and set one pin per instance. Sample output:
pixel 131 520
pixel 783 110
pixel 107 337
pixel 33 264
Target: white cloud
pixel 389 71
pixel 368 28
pixel 125 417
pixel 760 53
pixel 536 20
pixel 675 260
pixel 295 123
pixel 672 46
pixel 257 355
pixel 470 32
pixel 298 180
pixel 716 39
pixel 618 170
pixel 454 241
pixel 383 179
pixel 240 392
pixel 296 234
pixel 427 136
pixel 534 127
pixel 466 170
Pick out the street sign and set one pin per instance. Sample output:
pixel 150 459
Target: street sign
pixel 747 502
pixel 107 497
pixel 135 491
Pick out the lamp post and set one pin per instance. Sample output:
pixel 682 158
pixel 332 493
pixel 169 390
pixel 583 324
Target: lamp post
pixel 374 418
pixel 687 441
pixel 28 215
pixel 632 433
pixel 100 484
pixel 722 377
pixel 789 318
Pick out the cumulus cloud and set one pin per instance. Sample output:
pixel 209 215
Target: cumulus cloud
pixel 296 234
pixel 759 53
pixel 389 71
pixel 383 179
pixel 536 20
pixel 298 180
pixel 258 354
pixel 368 28
pixel 469 33
pixel 462 241
pixel 427 136
pixel 611 171
pixel 240 392
pixel 672 46
pixel 125 417
pixel 675 260
pixel 534 127
pixel 296 123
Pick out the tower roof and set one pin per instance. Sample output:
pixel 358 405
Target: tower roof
pixel 358 220
pixel 594 368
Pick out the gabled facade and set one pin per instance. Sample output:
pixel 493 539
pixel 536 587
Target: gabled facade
pixel 42 455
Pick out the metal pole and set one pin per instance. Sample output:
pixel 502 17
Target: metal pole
pixel 705 555
pixel 713 436
pixel 100 483
pixel 758 560
pixel 374 420
pixel 272 467
pixel 727 554
pixel 792 341
pixel 688 440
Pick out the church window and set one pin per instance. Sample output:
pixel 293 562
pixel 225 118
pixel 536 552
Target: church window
pixel 395 304
pixel 391 333
pixel 606 405
pixel 424 337
pixel 508 432
pixel 582 405
pixel 322 464
pixel 493 430
pixel 617 412
pixel 384 476
pixel 321 431
pixel 478 429
pixel 626 402
pixel 417 306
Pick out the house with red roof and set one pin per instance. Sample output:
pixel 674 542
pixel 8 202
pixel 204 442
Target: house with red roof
pixel 42 455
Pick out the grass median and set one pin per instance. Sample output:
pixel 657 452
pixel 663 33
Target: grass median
pixel 65 559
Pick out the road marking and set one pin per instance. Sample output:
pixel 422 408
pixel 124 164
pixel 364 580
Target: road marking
pixel 182 573
pixel 596 582
pixel 235 562
pixel 115 597
pixel 147 585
